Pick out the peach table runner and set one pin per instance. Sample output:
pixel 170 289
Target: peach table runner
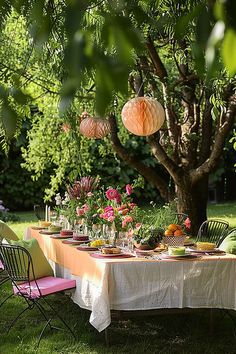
pixel 141 284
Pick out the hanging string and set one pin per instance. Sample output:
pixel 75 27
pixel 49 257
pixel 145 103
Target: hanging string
pixel 140 87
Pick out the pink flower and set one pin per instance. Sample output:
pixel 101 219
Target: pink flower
pixel 132 205
pixel 130 232
pixel 108 208
pixel 128 189
pixel 124 211
pixel 128 219
pixel 187 223
pixel 110 213
pixel 89 194
pixel 123 224
pixel 124 206
pixel 138 226
pixel 107 214
pixel 118 199
pixel 112 194
pixel 80 211
pixel 111 218
pixel 85 207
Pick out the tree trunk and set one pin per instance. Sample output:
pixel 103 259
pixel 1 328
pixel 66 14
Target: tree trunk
pixel 200 198
pixel 192 200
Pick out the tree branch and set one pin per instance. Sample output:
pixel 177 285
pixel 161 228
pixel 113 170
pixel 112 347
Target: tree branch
pixel 157 63
pixel 162 157
pixel 173 128
pixel 206 140
pixel 149 173
pixel 220 138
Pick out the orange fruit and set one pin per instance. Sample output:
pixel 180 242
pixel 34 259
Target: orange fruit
pixel 168 233
pixel 172 227
pixel 178 233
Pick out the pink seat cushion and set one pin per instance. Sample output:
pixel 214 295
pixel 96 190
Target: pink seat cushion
pixel 1 266
pixel 47 286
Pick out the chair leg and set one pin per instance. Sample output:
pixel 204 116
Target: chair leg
pixel 41 309
pixel 15 319
pixel 42 332
pixel 8 297
pixel 3 281
pixel 60 318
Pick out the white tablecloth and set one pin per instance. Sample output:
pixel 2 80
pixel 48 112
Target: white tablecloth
pixel 156 285
pixel 142 284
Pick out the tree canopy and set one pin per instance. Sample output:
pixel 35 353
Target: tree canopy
pixel 94 55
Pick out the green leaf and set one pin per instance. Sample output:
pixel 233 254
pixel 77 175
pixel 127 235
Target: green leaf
pixel 9 119
pixel 215 113
pixel 203 27
pixel 199 61
pixel 229 51
pixel 214 40
pixel 103 97
pixel 18 95
pixel 181 27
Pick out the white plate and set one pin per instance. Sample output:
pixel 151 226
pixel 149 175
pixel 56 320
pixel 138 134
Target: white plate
pixel 58 236
pixel 144 252
pixel 71 241
pixel 37 227
pixel 47 232
pixel 110 254
pixel 204 251
pixel 166 254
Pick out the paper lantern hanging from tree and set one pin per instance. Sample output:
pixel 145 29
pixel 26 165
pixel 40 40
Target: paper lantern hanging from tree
pixel 93 127
pixel 143 116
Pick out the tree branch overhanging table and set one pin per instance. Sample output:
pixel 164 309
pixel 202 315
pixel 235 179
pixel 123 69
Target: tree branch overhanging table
pixel 131 284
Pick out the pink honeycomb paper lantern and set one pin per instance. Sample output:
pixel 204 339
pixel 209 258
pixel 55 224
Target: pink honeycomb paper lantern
pixel 143 116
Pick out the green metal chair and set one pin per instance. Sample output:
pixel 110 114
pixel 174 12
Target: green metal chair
pixel 213 230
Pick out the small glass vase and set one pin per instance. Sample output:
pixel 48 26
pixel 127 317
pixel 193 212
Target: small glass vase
pixel 114 237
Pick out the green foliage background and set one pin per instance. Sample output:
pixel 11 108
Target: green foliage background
pixel 58 58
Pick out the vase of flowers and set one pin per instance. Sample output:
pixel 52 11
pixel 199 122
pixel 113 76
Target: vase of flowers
pixel 74 206
pixel 120 211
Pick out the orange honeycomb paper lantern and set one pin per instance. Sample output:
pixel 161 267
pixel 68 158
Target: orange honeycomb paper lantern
pixel 143 116
pixel 94 127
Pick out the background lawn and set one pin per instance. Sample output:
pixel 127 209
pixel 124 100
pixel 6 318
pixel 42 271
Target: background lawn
pixel 165 334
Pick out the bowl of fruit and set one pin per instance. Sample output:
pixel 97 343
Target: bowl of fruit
pixel 174 235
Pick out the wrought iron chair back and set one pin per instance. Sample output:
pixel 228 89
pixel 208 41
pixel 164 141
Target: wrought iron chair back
pixel 212 231
pixel 18 264
pixel 3 276
pixel 3 279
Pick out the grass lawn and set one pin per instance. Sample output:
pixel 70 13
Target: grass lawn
pixel 161 334
pixel 225 211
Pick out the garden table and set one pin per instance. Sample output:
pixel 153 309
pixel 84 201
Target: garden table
pixel 130 284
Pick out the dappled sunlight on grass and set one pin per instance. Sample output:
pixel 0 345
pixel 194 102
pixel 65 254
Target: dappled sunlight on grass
pixel 225 211
pixel 25 219
pixel 165 334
